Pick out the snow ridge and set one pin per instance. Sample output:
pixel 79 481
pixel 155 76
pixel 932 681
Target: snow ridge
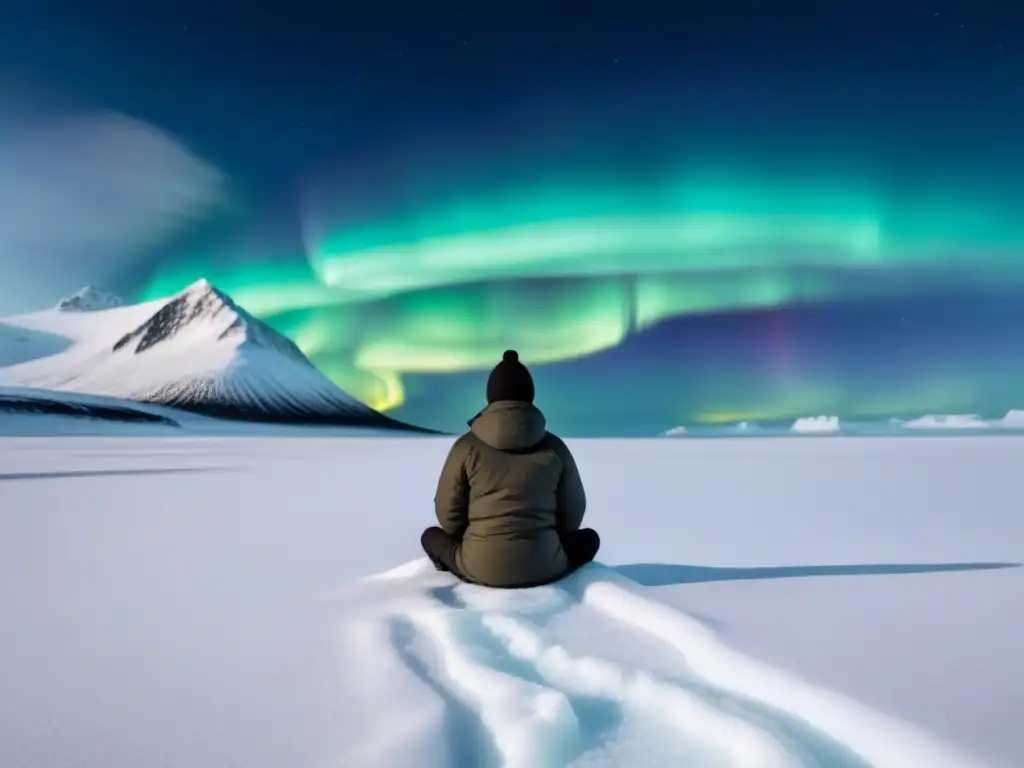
pixel 41 402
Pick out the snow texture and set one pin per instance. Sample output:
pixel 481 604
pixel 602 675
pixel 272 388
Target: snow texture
pixel 197 350
pixel 262 602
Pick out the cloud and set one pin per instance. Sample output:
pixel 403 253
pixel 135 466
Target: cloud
pixel 83 196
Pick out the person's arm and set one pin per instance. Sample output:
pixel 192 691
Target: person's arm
pixel 571 498
pixel 451 502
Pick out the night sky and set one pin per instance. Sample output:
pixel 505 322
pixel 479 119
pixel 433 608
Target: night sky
pixel 719 212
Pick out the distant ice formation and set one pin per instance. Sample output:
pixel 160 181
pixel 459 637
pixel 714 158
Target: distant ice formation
pixel 1013 420
pixel 948 421
pixel 817 425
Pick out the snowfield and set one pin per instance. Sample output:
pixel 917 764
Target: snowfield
pixel 226 601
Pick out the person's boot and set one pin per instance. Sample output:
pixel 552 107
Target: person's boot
pixel 438 564
pixel 433 539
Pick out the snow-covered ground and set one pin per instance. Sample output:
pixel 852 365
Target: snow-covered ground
pixel 202 601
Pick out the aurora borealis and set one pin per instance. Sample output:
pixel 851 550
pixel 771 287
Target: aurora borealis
pixel 694 217
pixel 602 290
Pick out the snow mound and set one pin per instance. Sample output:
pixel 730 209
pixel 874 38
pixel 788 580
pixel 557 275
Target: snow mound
pixel 90 299
pixel 21 411
pixel 674 432
pixel 950 421
pixel 816 425
pixel 538 697
pixel 198 351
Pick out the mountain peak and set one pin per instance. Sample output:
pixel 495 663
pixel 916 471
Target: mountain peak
pixel 90 299
pixel 202 285
pixel 203 292
pixel 211 314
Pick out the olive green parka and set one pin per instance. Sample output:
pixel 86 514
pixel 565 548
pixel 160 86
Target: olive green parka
pixel 507 489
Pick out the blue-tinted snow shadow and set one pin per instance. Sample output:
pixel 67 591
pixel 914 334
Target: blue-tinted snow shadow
pixel 598 717
pixel 468 743
pixel 448 596
pixel 667 574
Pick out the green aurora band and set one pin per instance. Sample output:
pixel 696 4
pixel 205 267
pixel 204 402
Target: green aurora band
pixel 435 290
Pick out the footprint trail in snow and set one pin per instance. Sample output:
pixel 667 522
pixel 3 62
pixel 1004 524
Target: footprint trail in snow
pixel 511 690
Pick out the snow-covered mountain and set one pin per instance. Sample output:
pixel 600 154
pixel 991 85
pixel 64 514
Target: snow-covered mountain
pixel 197 350
pixel 90 299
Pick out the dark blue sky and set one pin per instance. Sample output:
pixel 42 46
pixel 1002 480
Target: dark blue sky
pixel 269 90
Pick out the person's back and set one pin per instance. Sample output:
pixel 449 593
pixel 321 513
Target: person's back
pixel 510 500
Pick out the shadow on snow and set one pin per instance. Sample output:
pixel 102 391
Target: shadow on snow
pixel 667 574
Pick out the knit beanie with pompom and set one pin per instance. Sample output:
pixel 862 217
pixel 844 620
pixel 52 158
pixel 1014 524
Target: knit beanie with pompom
pixel 510 380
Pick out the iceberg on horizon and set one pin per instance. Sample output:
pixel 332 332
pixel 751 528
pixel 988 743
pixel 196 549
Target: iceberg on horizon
pixel 816 425
pixel 948 421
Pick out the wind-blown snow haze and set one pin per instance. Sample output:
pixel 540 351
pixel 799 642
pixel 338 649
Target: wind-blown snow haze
pixel 83 196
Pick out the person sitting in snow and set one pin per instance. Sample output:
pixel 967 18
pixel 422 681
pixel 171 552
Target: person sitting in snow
pixel 510 500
